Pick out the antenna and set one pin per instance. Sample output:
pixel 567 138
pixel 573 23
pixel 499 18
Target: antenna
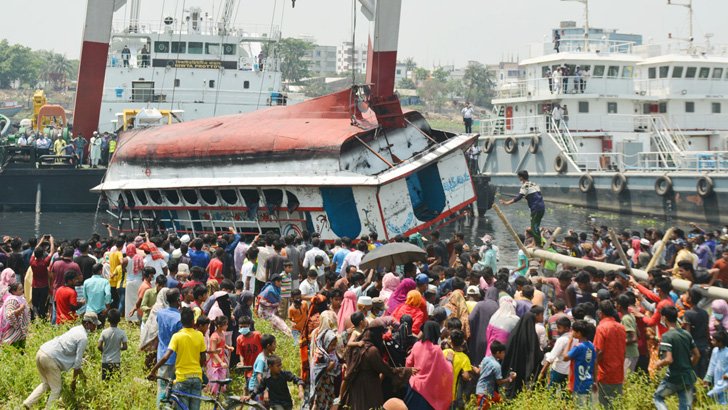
pixel 586 21
pixel 689 6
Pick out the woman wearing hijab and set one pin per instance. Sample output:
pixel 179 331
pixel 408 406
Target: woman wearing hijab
pixel 134 266
pixel 399 296
pixel 431 385
pixel 479 319
pixel 523 355
pixel 7 278
pixel 325 370
pixel 348 306
pixel 319 304
pixel 14 317
pixel 243 308
pixel 398 346
pixel 362 387
pixel 719 318
pixel 412 307
pixel 457 306
pixel 503 321
pixel 390 281
pixel 149 335
pixel 268 302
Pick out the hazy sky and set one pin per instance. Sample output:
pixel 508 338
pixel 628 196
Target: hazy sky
pixel 432 31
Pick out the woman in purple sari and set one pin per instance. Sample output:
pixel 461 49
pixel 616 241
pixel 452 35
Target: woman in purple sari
pixel 399 296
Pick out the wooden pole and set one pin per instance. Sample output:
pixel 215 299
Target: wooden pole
pixel 618 245
pixel 510 229
pixel 552 238
pixel 659 250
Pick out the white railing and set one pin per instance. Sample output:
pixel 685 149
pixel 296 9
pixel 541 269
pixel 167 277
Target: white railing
pixel 563 137
pixel 515 125
pixel 694 161
pixel 576 44
pixel 204 27
pixel 188 95
pixel 539 87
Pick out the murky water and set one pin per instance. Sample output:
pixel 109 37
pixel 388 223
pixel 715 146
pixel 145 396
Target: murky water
pixel 81 225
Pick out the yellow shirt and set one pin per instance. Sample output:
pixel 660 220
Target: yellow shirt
pixel 460 363
pixel 115 262
pixel 188 343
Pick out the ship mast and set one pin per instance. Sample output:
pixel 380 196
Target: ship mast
pixel 586 22
pixel 689 6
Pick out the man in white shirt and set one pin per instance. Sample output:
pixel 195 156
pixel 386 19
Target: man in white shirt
pixel 58 355
pixel 467 112
pixel 310 256
pixel 354 258
pixel 309 287
pixel 555 358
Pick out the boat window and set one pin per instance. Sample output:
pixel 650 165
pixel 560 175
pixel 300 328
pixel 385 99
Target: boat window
pixel 194 47
pixel 142 91
pixel 246 84
pixel 273 198
pixel 426 193
pixel 717 73
pixel 208 195
pixel 179 47
pixel 663 107
pixel 212 83
pixel 176 82
pixel 229 196
pixel 545 69
pixel 583 106
pixel 140 197
pixel 704 72
pixel 664 70
pixel 341 210
pixel 690 72
pixel 652 72
pixel 212 48
pixel 677 72
pixel 628 71
pixel 155 196
pixel 293 201
pixel 611 108
pixel 161 46
pixel 598 71
pixel 251 198
pixel 229 49
pixel 171 196
pixel 613 71
pixel 689 106
pixel 189 195
pixel 130 202
pixel 715 108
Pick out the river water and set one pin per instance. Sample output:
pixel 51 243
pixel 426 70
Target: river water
pixel 81 225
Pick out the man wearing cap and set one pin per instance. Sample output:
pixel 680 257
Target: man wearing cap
pixel 58 355
pixel 422 281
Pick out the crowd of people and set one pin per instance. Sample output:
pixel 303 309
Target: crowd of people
pixel 428 334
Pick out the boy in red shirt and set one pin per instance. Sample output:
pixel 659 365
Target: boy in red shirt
pixel 66 303
pixel 214 268
pixel 248 345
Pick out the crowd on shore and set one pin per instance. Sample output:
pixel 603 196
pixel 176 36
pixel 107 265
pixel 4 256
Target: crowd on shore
pixel 424 335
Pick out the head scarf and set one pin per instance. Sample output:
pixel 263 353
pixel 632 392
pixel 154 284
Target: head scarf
pixel 348 306
pixel 505 317
pixel 242 308
pixel 434 380
pixel 414 298
pixel 137 260
pixel 523 354
pixel 152 249
pixel 399 296
pixel 150 331
pixel 390 282
pixel 413 308
pixel 459 309
pixel 7 278
pixel 719 306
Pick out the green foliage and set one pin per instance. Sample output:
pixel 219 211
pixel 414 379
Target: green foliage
pixel 20 63
pixel 407 84
pixel 434 92
pixel 440 74
pixel 421 74
pixel 479 84
pixel 291 52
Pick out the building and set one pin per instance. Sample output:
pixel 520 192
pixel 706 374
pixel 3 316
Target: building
pixel 323 60
pixel 346 53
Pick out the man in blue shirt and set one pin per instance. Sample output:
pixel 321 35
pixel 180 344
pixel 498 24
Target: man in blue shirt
pixel 532 192
pixel 339 256
pixel 168 323
pixel 198 257
pixel 97 292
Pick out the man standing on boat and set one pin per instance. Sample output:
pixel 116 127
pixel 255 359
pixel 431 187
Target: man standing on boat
pixel 125 55
pixel 532 192
pixel 468 117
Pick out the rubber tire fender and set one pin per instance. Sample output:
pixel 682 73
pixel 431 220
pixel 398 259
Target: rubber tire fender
pixel 705 186
pixel 510 145
pixel 535 142
pixel 663 185
pixel 560 164
pixel 488 145
pixel 586 183
pixel 619 183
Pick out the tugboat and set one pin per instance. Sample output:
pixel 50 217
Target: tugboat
pixel 631 128
pixel 344 164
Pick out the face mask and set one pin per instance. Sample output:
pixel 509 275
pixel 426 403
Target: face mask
pixel 311 281
pixel 244 331
pixel 718 316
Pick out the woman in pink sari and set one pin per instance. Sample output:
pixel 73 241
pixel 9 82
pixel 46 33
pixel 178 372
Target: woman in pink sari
pixel 348 306
pixel 431 386
pixel 390 282
pixel 14 317
pixel 399 296
pixel 7 278
pixel 503 321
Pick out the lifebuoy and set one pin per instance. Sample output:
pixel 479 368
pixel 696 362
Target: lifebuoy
pixel 705 186
pixel 663 185
pixel 586 183
pixel 560 164
pixel 619 183
pixel 488 145
pixel 535 142
pixel 510 145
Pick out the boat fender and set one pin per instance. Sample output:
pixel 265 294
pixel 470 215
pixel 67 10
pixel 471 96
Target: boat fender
pixel 586 183
pixel 510 145
pixel 619 183
pixel 663 185
pixel 705 186
pixel 488 145
pixel 535 142
pixel 560 164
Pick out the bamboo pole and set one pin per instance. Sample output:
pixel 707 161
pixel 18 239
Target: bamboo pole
pixel 679 284
pixel 552 238
pixel 659 250
pixel 620 251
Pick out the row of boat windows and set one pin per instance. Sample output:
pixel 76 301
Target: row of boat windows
pixel 189 197
pixel 612 108
pixel 703 73
pixel 195 47
pixel 597 71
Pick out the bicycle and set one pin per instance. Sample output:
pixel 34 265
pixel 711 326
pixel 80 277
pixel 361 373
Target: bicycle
pixel 172 398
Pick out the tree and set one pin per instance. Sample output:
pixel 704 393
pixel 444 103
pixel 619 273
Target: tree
pixel 434 93
pixel 409 64
pixel 421 74
pixel 17 63
pixel 440 74
pixel 56 69
pixel 291 53
pixel 406 83
pixel 479 84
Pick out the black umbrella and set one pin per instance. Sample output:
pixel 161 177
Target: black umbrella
pixel 397 253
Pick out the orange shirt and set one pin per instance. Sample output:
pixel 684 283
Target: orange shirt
pixel 65 298
pixel 298 316
pixel 611 340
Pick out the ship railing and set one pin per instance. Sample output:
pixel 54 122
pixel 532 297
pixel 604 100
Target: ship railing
pixel 205 27
pixel 603 161
pixel 563 137
pixel 541 87
pixel 173 96
pixel 691 161
pixel 495 125
pixel 577 44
